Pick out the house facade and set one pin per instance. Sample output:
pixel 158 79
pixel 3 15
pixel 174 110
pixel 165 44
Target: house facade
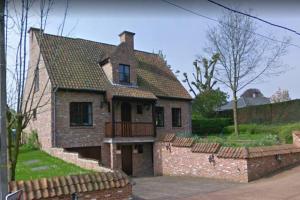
pixel 105 102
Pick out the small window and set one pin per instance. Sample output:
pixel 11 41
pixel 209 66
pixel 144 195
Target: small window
pixel 160 121
pixel 176 117
pixel 36 80
pixel 34 113
pixel 139 148
pixel 81 114
pixel 139 109
pixel 124 74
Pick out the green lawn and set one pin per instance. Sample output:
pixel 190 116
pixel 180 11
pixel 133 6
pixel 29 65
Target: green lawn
pixel 254 135
pixel 33 164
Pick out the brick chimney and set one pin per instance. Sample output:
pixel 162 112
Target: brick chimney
pixel 127 37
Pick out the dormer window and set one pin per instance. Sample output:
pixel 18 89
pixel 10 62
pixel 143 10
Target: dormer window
pixel 124 74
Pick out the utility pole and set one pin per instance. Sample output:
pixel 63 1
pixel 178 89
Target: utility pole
pixel 3 133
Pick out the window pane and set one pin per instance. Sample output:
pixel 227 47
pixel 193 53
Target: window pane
pixel 176 117
pixel 124 73
pixel 81 114
pixel 159 116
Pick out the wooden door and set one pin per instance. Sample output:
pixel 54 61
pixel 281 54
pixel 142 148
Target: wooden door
pixel 127 159
pixel 126 119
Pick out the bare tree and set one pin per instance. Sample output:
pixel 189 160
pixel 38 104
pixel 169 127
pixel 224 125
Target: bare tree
pixel 203 79
pixel 26 99
pixel 245 57
pixel 280 96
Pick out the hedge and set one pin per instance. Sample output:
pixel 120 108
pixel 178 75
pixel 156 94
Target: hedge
pixel 284 112
pixel 205 126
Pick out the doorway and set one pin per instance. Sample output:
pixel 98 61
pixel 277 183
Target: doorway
pixel 126 119
pixel 127 159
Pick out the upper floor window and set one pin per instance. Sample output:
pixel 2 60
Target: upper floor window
pixel 160 121
pixel 124 74
pixel 36 80
pixel 176 117
pixel 81 114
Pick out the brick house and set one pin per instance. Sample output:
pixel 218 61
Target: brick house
pixel 103 101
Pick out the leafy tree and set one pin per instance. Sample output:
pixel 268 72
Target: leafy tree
pixel 206 102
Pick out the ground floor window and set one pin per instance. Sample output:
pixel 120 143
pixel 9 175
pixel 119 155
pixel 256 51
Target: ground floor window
pixel 81 114
pixel 176 117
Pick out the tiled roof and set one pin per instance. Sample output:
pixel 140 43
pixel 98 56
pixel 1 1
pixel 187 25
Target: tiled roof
pixel 122 91
pixel 231 152
pixel 183 142
pixel 66 185
pixel 167 137
pixel 206 147
pixel 254 152
pixel 74 64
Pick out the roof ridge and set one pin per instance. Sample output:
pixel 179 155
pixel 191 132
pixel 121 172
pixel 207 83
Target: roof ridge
pixel 103 43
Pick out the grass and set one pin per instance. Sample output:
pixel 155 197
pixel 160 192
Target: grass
pixel 254 135
pixel 56 167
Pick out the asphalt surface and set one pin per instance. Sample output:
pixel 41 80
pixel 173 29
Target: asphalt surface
pixel 282 186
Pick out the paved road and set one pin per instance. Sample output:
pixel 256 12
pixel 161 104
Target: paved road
pixel 283 186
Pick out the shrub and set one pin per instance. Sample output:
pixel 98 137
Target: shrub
pixel 205 126
pixel 32 141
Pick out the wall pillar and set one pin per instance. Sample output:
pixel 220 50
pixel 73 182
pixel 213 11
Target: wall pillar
pixel 113 156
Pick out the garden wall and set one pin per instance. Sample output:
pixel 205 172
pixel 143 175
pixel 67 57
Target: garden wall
pixel 283 112
pixel 105 185
pixel 182 157
pixel 74 158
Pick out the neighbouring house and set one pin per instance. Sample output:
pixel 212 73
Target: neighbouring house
pixel 104 102
pixel 251 97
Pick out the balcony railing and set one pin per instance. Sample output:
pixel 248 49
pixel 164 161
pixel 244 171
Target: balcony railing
pixel 129 129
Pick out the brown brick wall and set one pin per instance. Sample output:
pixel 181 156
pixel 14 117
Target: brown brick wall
pixel 142 162
pixel 259 167
pixel 42 124
pixel 145 117
pixel 185 115
pixel 124 55
pixel 180 161
pixel 67 136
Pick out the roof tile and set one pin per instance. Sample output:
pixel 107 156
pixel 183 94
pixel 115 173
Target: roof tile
pixel 59 186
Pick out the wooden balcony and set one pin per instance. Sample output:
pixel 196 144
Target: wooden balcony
pixel 129 129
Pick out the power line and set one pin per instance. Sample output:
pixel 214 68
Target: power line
pixel 215 20
pixel 257 18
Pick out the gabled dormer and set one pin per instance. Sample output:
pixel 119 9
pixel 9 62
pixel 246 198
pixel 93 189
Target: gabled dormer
pixel 120 66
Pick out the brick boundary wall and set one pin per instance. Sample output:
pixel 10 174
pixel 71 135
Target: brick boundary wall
pixel 101 185
pixel 110 194
pixel 74 158
pixel 182 157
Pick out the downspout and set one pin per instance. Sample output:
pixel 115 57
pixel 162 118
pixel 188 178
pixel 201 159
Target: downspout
pixel 54 118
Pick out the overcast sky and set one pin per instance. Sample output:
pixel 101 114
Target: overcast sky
pixel 179 34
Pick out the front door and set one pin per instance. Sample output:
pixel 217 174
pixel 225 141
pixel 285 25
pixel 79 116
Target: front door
pixel 127 159
pixel 126 119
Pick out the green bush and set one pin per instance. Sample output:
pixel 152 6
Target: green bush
pixel 205 126
pixel 282 131
pixel 32 141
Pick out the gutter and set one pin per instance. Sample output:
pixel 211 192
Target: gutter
pixel 54 118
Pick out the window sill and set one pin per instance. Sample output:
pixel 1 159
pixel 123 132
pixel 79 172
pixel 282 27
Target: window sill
pixel 82 127
pixel 176 127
